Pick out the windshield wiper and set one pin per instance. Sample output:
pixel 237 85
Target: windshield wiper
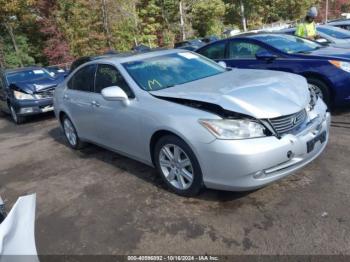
pixel 303 52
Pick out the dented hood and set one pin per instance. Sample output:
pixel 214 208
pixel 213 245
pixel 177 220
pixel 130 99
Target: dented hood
pixel 258 93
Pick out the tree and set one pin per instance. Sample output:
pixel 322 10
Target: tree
pixel 55 47
pixel 336 8
pixel 259 12
pixel 80 23
pixel 11 13
pixel 150 22
pixel 207 17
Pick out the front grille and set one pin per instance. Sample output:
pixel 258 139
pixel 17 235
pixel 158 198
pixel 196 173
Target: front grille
pixel 45 94
pixel 287 124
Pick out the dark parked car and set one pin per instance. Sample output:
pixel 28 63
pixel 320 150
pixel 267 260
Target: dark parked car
pixel 190 45
pixel 82 60
pixel 56 71
pixel 327 69
pixel 342 23
pixel 328 35
pixel 27 91
pixel 210 39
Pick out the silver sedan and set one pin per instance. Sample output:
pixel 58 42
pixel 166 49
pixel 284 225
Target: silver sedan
pixel 200 124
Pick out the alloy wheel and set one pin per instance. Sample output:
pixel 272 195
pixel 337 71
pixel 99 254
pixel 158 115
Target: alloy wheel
pixel 70 132
pixel 176 166
pixel 317 90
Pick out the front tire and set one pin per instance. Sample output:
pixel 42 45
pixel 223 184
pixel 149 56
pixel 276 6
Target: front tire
pixel 321 89
pixel 17 119
pixel 71 133
pixel 178 166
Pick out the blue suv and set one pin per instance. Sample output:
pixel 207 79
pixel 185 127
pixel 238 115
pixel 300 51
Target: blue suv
pixel 327 69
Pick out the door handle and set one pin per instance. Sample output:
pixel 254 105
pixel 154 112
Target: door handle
pixel 95 104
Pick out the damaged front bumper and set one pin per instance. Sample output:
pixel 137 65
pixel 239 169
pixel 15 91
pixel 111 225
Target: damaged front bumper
pixel 242 165
pixel 33 107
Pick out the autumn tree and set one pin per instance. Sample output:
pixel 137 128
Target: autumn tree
pixel 11 16
pixel 55 47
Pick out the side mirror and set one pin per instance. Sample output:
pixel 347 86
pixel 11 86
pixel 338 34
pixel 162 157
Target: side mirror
pixel 115 93
pixel 223 64
pixel 266 56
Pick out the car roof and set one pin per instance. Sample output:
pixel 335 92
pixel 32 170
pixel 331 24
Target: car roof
pixel 22 69
pixel 134 56
pixel 253 34
pixel 340 22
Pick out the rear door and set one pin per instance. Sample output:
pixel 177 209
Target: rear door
pixel 77 99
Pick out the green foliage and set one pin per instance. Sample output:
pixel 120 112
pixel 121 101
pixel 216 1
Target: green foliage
pixel 259 12
pixel 208 17
pixel 80 22
pixel 150 19
pixel 59 30
pixel 12 60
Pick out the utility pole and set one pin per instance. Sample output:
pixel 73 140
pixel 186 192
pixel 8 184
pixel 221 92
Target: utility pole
pixel 244 20
pixel 106 23
pixel 182 21
pixel 327 7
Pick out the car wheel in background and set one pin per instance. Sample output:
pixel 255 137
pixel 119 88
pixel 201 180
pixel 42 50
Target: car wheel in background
pixel 15 117
pixel 321 89
pixel 178 166
pixel 71 133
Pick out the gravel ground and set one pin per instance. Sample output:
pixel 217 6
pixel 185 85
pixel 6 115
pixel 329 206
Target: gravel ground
pixel 97 202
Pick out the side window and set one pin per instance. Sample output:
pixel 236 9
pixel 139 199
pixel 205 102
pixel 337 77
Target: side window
pixel 214 51
pixel 108 75
pixel 243 50
pixel 84 79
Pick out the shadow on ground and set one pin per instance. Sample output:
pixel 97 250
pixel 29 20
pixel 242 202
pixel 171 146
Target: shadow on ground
pixel 140 170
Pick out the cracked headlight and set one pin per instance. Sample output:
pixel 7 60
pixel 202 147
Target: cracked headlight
pixel 22 96
pixel 230 129
pixel 345 66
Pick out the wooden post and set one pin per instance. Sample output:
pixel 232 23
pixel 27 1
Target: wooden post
pixel 244 20
pixel 182 21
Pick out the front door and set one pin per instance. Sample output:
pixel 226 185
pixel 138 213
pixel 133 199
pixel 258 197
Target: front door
pixel 116 124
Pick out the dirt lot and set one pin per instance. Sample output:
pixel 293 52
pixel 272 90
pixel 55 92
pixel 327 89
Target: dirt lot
pixel 98 202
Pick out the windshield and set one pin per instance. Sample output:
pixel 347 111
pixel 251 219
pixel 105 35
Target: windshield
pixel 27 75
pixel 335 32
pixel 288 43
pixel 165 71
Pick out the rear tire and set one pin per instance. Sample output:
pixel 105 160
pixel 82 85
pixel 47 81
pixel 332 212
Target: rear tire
pixel 321 89
pixel 17 119
pixel 71 134
pixel 178 166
